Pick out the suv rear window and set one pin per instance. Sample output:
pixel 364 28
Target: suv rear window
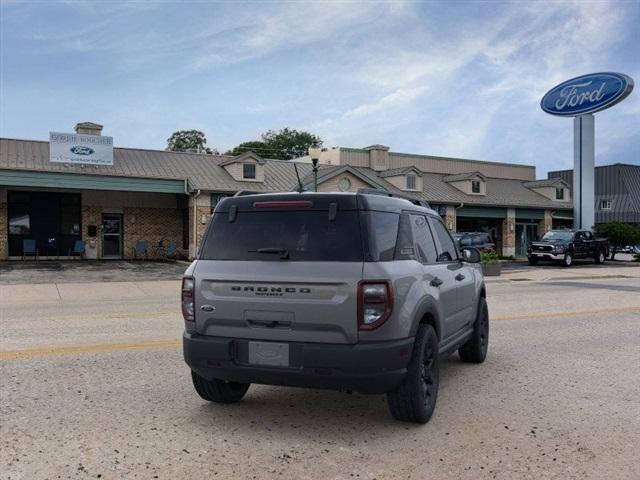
pixel 306 236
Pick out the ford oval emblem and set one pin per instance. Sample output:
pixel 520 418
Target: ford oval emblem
pixel 80 150
pixel 587 94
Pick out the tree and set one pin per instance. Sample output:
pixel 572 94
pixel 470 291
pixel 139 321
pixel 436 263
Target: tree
pixel 284 144
pixel 257 147
pixel 619 234
pixel 188 141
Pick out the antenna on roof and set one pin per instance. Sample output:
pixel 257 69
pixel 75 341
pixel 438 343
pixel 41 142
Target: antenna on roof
pixel 300 187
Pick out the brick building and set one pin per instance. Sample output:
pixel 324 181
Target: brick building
pixel 156 195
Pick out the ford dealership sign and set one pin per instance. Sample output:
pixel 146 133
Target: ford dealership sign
pixel 80 149
pixel 587 94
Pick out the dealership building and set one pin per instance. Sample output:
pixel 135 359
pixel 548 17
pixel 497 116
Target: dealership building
pixel 113 198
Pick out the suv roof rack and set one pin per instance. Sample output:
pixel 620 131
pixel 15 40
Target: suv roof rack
pixel 384 193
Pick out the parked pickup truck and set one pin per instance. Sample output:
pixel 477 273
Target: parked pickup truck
pixel 566 245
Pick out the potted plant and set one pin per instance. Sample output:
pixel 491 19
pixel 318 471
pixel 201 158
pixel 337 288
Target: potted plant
pixel 490 264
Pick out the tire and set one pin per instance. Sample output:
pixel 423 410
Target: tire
pixel 600 257
pixel 533 261
pixel 415 399
pixel 475 350
pixel 568 260
pixel 219 391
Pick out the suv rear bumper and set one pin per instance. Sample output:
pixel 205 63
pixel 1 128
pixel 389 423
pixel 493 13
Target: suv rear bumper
pixel 365 367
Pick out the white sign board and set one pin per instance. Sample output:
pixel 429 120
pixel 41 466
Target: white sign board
pixel 74 148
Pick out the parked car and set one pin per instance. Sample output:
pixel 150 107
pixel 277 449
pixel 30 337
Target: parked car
pixel 566 245
pixel 480 240
pixel 628 249
pixel 345 291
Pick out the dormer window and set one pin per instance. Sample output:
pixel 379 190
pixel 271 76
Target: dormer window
pixel 560 193
pixel 247 167
pixel 411 182
pixel 249 171
pixel 475 186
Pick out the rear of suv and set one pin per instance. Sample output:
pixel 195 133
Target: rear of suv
pixel 353 292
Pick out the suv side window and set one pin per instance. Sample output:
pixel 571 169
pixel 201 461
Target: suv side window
pixel 382 232
pixel 479 240
pixel 422 239
pixel 446 248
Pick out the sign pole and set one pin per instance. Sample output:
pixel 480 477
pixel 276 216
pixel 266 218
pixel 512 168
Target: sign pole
pixel 583 171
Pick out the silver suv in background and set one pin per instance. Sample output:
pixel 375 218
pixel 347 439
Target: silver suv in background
pixel 348 291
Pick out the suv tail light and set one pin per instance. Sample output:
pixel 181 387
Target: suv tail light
pixel 375 303
pixel 187 299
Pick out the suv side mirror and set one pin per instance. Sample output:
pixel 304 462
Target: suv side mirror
pixel 470 255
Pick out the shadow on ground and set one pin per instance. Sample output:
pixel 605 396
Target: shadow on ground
pixel 83 271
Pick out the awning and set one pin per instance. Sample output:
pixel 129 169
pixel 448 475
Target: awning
pixel 482 212
pixel 30 178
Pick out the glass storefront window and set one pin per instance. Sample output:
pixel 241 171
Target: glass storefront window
pixel 19 220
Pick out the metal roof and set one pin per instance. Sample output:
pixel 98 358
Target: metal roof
pixel 201 170
pixel 400 171
pixel 463 176
pixel 205 172
pixel 547 182
pixel 620 184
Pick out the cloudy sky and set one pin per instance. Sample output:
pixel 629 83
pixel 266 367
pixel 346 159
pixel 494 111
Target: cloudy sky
pixel 451 78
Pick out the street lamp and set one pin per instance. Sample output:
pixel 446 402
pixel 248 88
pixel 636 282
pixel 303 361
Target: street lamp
pixel 314 152
pixel 314 162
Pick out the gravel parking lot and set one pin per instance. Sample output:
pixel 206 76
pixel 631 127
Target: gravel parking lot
pixel 94 386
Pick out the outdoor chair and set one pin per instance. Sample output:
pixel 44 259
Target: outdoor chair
pixel 79 248
pixel 172 249
pixel 29 248
pixel 142 249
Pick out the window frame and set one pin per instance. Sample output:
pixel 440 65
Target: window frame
pixel 430 232
pixel 560 193
pixel 414 180
pixel 439 248
pixel 607 202
pixel 244 171
pixel 473 184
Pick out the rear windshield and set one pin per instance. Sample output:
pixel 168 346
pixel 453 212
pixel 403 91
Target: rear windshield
pixel 304 236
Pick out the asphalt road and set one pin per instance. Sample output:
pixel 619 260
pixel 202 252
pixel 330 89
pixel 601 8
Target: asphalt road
pixel 94 386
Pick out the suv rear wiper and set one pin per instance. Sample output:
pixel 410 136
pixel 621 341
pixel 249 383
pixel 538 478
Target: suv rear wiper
pixel 283 252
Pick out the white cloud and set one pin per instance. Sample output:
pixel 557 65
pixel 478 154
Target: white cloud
pixel 485 81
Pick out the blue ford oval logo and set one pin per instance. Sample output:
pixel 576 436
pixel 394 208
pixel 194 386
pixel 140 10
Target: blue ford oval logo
pixel 79 150
pixel 587 94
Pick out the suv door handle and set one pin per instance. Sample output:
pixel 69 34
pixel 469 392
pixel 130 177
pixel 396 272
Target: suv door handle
pixel 460 277
pixel 436 282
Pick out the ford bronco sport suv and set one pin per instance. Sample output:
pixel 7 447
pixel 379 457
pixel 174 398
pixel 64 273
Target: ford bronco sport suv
pixel 349 291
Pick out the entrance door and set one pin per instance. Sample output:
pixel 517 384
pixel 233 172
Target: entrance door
pixel 525 233
pixel 111 235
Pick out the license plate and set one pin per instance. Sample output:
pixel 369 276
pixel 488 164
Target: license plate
pixel 539 255
pixel 269 353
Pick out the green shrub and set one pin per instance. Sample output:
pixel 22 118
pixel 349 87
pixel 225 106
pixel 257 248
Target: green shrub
pixel 488 257
pixel 618 234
